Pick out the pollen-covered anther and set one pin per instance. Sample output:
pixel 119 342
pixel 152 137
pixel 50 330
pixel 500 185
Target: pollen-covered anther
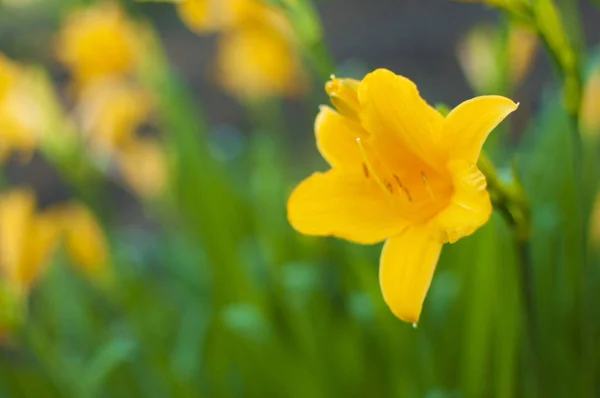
pixel 403 188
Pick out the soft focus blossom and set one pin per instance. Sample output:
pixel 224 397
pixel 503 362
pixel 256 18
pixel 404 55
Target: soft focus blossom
pixel 111 111
pixel 258 55
pixel 479 53
pixel 143 166
pixel 258 62
pixel 99 42
pixel 84 239
pixel 28 238
pixel 21 115
pixel 400 172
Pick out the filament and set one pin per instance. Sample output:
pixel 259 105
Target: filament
pixel 369 167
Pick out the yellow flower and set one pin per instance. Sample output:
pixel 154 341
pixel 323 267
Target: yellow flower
pixel 206 16
pixel 21 116
pixel 143 165
pixel 84 239
pixel 27 239
pixel 478 56
pixel 400 172
pixel 257 53
pixel 99 42
pixel 258 62
pixel 111 111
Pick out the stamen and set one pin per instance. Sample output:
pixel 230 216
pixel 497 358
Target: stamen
pixel 369 166
pixel 427 186
pixel 403 188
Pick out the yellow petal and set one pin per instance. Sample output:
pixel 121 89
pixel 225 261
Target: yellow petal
pixel 42 238
pixel 84 239
pixel 391 106
pixel 406 268
pixel 144 167
pixel 336 139
pixel 468 125
pixel 347 206
pixel 26 239
pixel 16 212
pixel 470 206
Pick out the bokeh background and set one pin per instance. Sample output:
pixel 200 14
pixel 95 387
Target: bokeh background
pixel 177 274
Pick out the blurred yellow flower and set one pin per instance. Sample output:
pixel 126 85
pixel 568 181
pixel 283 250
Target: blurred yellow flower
pixel 110 114
pixel 21 116
pixel 479 56
pixel 258 62
pixel 258 56
pixel 28 238
pixel 522 49
pixel 590 106
pixel 84 239
pixel 206 16
pixel 111 111
pixel 99 42
pixel 400 172
pixel 143 165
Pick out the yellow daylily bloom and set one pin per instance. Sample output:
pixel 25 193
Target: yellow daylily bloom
pixel 257 53
pixel 143 165
pixel 478 55
pixel 258 62
pixel 111 111
pixel 99 42
pixel 206 16
pixel 84 239
pixel 27 239
pixel 400 173
pixel 21 116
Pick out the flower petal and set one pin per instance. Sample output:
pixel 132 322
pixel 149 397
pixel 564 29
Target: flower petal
pixel 344 205
pixel 466 128
pixel 391 106
pixel 470 206
pixel 336 139
pixel 406 269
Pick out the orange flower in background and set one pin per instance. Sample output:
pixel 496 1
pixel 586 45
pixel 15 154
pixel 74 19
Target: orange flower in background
pixel 400 172
pixel 99 42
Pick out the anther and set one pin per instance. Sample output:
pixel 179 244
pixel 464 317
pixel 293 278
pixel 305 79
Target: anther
pixel 403 188
pixel 369 166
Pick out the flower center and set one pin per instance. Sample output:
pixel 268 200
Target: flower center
pixel 420 191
